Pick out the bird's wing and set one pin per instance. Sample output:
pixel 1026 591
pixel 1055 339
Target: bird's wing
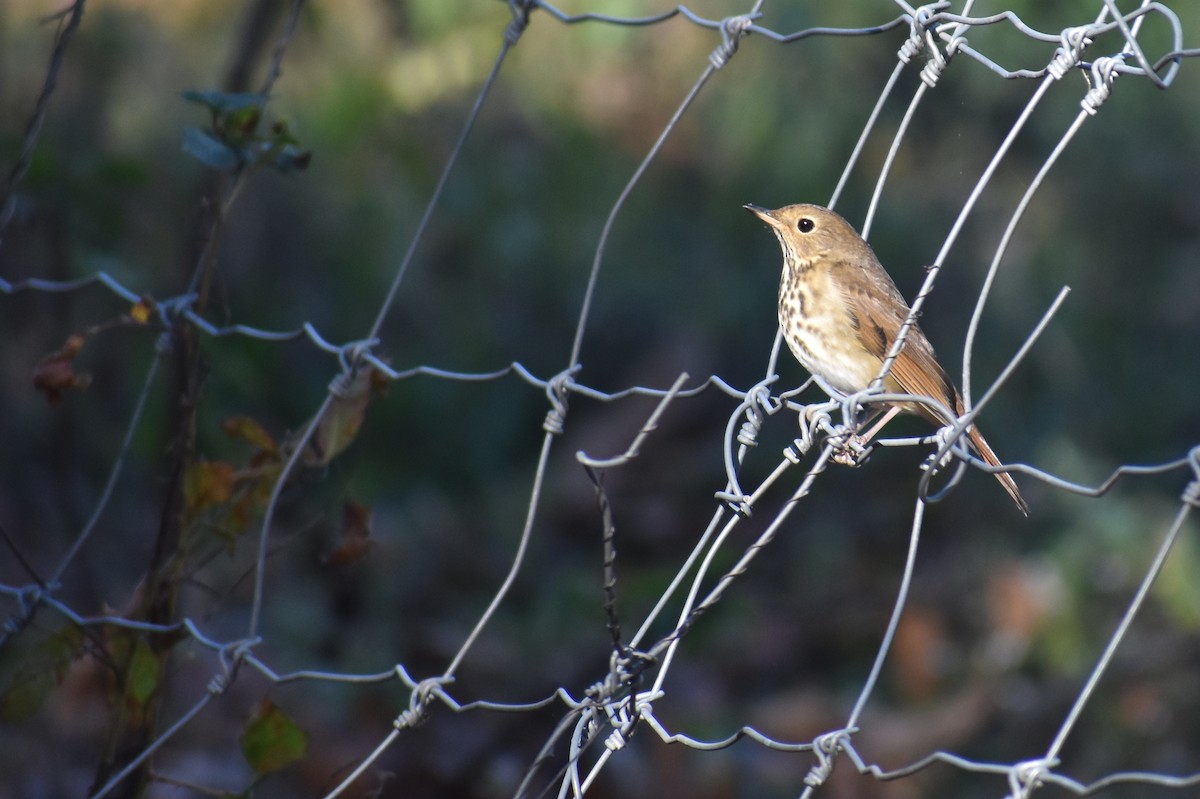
pixel 877 310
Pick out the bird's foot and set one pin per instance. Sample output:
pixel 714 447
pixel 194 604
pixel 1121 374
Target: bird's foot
pixel 850 450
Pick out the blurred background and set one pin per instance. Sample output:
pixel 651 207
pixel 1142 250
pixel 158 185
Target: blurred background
pixel 1007 615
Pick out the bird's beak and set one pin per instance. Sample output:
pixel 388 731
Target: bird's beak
pixel 763 214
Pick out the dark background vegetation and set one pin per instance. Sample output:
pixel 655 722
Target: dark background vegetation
pixel 1007 615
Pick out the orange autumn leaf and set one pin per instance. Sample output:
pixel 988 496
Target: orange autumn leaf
pixel 356 534
pixel 207 483
pixel 55 374
pixel 250 431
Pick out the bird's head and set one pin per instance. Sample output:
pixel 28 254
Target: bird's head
pixel 810 231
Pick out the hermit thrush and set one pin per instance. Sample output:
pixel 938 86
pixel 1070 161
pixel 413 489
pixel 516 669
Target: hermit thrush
pixel 840 313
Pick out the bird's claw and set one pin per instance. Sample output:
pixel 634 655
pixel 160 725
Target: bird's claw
pixel 851 450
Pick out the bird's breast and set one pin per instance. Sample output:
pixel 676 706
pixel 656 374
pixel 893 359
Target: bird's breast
pixel 822 331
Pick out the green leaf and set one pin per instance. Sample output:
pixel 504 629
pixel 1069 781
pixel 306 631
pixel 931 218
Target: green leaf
pixel 143 673
pixel 224 102
pixel 209 150
pixel 240 124
pixel 25 694
pixel 31 673
pixel 271 740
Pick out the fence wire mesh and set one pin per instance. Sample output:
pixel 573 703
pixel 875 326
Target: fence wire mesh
pixel 401 481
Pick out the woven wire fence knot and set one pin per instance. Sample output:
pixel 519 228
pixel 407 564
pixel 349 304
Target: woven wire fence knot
pixel 233 655
pixel 621 718
pixel 748 433
pixel 27 597
pixel 162 344
pixel 1027 775
pixel 937 62
pixel 558 388
pixel 957 41
pixel 630 664
pixel 617 739
pixel 758 407
pixel 1104 74
pixel 950 440
pixel 644 702
pixel 625 671
pixel 732 31
pixel 621 715
pixel 173 308
pixel 951 451
pixel 624 716
pixel 737 503
pixel 813 419
pixel 923 19
pixel 352 357
pixel 418 701
pixel 1191 493
pixel 1074 42
pixel 353 354
pixel 736 500
pixel 520 19
pixel 919 31
pixel 342 384
pixel 912 45
pixel 826 748
pixel 30 596
pixel 219 684
pixel 602 693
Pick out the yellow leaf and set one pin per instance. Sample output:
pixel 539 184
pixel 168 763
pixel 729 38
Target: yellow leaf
pixel 271 740
pixel 343 418
pixel 250 431
pixel 207 483
pixel 141 310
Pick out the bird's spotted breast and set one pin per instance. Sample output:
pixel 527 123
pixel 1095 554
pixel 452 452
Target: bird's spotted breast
pixel 810 310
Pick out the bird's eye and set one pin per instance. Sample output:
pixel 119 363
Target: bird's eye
pixel 805 225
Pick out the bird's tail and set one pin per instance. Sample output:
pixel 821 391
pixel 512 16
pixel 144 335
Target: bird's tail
pixel 989 457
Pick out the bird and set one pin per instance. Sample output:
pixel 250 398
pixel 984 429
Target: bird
pixel 840 313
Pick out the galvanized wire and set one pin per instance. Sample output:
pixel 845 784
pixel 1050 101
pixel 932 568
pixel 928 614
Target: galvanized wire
pixel 599 723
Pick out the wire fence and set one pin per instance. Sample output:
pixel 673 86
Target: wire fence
pixel 173 656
